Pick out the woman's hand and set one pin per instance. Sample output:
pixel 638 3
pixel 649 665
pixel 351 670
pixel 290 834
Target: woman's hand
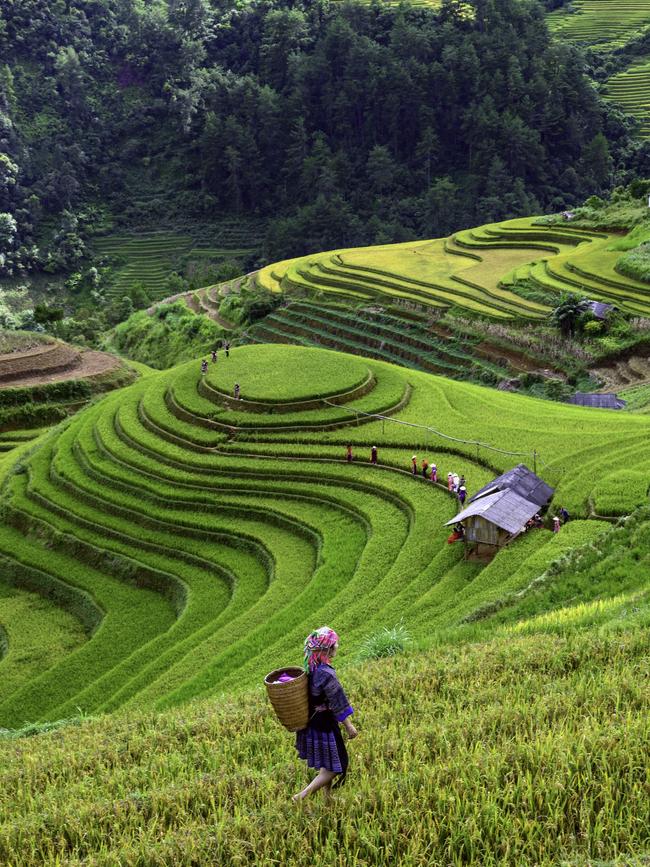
pixel 350 729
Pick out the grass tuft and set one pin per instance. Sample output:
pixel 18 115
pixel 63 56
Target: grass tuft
pixel 386 642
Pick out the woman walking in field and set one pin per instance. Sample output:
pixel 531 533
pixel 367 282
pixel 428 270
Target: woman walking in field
pixel 321 743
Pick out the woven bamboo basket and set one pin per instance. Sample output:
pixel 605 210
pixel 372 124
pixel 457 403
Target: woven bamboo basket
pixel 290 699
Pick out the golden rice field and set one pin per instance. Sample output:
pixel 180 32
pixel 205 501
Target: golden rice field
pixel 476 270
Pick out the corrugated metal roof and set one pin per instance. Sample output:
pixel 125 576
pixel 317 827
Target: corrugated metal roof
pixel 600 309
pixel 506 509
pixel 600 401
pixel 521 481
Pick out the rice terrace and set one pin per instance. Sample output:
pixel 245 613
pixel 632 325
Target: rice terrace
pixel 325 434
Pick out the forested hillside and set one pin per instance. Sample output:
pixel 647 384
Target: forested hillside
pixel 355 124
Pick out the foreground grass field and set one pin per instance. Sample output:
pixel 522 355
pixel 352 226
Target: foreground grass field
pixel 196 538
pixel 478 269
pixel 521 751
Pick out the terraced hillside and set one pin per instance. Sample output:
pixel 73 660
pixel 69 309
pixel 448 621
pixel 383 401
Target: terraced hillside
pixel 42 381
pixel 195 538
pixel 631 90
pixel 477 269
pixel 150 257
pixel 53 361
pixel 387 335
pixel 604 22
pixel 206 301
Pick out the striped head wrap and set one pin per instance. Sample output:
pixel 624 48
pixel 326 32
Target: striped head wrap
pixel 318 645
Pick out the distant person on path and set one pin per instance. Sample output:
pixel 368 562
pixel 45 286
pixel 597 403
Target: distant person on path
pixel 236 391
pixel 321 743
pixel 204 367
pixel 434 473
pixel 461 482
pixel 348 452
pixel 456 482
pixel 226 347
pixel 214 355
pixel 450 482
pixel 414 465
pixel 425 467
pixel 564 515
pixel 373 455
pixel 556 524
pixel 462 493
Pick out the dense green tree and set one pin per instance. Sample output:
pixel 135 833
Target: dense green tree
pixel 568 313
pixel 597 160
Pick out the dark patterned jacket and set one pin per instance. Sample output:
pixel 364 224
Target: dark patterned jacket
pixel 325 688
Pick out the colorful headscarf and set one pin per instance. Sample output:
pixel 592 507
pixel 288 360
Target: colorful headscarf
pixel 317 647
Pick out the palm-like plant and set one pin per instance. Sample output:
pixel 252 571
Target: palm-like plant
pixel 568 312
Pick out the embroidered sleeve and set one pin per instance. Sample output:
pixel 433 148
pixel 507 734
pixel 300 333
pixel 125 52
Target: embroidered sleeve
pixel 336 698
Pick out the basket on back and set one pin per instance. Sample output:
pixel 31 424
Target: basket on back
pixel 290 698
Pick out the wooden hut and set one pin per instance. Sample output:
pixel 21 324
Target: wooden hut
pixel 499 511
pixel 600 310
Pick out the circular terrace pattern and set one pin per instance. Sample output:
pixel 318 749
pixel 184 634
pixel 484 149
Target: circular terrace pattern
pixel 196 543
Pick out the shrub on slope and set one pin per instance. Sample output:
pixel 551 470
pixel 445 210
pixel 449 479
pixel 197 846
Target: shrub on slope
pixel 173 334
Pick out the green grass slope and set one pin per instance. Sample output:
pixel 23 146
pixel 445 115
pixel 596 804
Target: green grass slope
pixel 527 750
pixel 210 534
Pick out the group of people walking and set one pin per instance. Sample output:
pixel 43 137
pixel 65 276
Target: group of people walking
pixel 457 485
pixel 215 356
pixel 429 471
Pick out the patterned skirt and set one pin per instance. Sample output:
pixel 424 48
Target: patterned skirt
pixel 321 744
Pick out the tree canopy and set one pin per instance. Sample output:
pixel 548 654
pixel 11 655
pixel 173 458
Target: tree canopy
pixel 344 122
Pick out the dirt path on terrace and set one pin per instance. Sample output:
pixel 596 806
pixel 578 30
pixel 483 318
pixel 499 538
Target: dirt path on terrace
pixel 91 363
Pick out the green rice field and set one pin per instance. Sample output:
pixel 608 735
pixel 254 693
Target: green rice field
pixel 606 22
pixel 631 90
pixel 196 537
